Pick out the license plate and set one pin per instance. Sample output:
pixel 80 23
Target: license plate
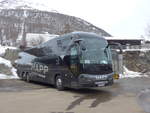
pixel 100 83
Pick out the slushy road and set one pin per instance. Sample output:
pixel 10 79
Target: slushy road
pixel 124 96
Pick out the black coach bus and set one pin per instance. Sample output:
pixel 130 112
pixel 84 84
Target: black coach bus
pixel 76 60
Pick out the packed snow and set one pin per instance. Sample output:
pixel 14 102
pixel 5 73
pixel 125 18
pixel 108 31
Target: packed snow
pixel 131 74
pixel 4 48
pixel 7 63
pixel 13 70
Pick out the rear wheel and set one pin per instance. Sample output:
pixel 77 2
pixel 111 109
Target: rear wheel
pixel 59 83
pixel 23 76
pixel 27 77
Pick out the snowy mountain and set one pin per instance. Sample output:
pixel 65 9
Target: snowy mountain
pixel 19 17
pixel 21 4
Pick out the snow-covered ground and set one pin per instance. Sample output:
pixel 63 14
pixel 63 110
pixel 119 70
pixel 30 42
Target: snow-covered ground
pixel 3 76
pixel 4 48
pixel 13 70
pixel 131 74
pixel 7 63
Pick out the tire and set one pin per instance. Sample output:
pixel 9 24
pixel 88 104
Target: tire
pixel 59 83
pixel 27 77
pixel 23 76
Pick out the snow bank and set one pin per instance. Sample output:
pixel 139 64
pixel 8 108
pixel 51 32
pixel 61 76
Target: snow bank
pixel 4 48
pixel 13 70
pixel 3 76
pixel 7 63
pixel 131 74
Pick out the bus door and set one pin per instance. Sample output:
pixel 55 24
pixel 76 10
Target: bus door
pixel 74 60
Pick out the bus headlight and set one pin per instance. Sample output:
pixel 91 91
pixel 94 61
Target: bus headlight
pixel 116 76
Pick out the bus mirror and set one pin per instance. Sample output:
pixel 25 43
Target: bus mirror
pixel 78 40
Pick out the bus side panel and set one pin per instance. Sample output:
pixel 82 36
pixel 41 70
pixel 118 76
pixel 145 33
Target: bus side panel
pixel 62 71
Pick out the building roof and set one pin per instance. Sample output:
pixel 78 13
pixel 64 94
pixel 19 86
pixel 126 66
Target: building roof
pixel 124 38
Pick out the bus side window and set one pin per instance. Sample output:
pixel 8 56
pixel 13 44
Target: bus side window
pixel 73 51
pixel 74 55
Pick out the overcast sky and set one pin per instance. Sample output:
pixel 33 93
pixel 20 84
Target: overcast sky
pixel 128 18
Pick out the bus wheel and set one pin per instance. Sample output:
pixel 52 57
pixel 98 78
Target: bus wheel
pixel 59 83
pixel 27 77
pixel 23 76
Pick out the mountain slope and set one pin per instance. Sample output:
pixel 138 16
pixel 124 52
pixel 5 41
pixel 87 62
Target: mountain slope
pixel 18 17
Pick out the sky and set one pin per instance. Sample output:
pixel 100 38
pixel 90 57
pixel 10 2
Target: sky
pixel 124 18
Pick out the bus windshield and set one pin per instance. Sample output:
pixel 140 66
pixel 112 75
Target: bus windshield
pixel 96 52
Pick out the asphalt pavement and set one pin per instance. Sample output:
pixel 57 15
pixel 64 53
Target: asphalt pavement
pixel 130 95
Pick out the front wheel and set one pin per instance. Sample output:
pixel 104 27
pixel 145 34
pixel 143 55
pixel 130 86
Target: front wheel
pixel 59 83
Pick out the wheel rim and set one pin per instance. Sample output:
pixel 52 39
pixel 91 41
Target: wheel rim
pixel 59 82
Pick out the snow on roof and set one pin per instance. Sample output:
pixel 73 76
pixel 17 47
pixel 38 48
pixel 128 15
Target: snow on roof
pixel 147 38
pixel 124 38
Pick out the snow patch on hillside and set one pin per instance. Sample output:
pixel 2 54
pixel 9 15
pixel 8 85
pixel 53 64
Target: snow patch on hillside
pixel 22 4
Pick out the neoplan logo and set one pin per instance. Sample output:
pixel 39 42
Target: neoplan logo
pixel 40 68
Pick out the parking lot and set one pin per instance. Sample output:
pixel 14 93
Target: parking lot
pixel 17 96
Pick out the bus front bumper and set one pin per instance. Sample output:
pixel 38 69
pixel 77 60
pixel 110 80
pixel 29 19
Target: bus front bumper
pixel 88 80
